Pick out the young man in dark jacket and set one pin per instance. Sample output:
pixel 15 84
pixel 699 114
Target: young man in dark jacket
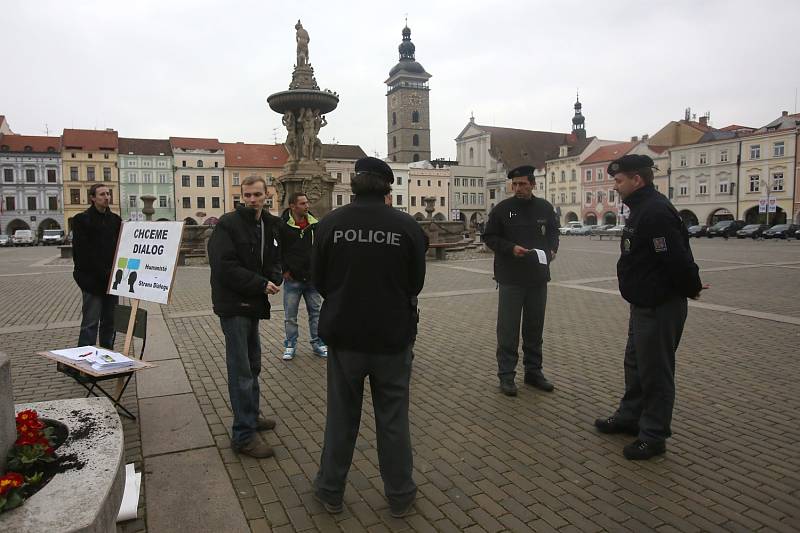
pixel 523 233
pixel 656 272
pixel 368 262
pixel 244 254
pixel 297 238
pixel 94 243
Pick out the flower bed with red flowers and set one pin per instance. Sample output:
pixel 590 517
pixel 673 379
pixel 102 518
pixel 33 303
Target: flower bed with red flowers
pixel 28 460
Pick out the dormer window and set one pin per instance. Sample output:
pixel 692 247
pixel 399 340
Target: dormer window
pixel 29 148
pixel 199 163
pixel 563 151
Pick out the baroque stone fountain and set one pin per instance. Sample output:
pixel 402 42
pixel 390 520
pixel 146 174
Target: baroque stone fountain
pixel 304 107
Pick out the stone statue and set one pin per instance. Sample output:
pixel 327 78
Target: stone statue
pixel 302 44
pixel 308 133
pixel 290 122
pixel 319 122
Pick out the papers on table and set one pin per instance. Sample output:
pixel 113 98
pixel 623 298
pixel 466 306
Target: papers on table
pixel 98 358
pixel 130 497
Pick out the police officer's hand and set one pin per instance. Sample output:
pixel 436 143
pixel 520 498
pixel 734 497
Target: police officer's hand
pixel 705 287
pixel 552 255
pixel 519 251
pixel 271 288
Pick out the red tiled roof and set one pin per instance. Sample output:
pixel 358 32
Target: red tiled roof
pixel 697 125
pixel 255 155
pixel 37 143
pixel 609 153
pixel 144 146
pixel 90 140
pixel 515 147
pixel 192 143
pixel 658 149
pixel 735 127
pixel 342 151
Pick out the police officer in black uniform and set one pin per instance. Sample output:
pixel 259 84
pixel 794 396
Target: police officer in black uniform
pixel 523 232
pixel 656 272
pixel 368 262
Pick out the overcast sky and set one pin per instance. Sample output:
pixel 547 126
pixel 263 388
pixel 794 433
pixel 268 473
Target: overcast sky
pixel 199 68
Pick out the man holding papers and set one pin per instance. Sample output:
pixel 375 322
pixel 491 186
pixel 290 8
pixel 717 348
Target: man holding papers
pixel 523 233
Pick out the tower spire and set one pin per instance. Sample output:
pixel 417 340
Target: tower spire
pixel 578 120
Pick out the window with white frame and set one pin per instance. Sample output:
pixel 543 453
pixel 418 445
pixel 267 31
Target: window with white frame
pixel 588 197
pixel 145 163
pixel 8 175
pixel 612 198
pixel 777 149
pixel 683 190
pixel 473 198
pixel 480 198
pixel 132 177
pixel 777 182
pixel 573 197
pixel 552 177
pixel 723 187
pixel 572 175
pixel 563 197
pixel 457 198
pixel 755 151
pixel 755 184
pixel 702 188
pixel 723 156
pixel 132 201
pixel 588 174
pixel 702 159
pixel 599 197
pixel 553 198
pixel 162 178
pixel 599 174
pixel 683 160
pixel 162 201
pixel 147 177
pixel 563 176
pixel 457 182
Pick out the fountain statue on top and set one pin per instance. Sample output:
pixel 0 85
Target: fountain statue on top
pixel 304 107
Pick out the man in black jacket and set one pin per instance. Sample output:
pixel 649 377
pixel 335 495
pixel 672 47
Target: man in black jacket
pixel 244 255
pixel 368 262
pixel 94 243
pixel 297 235
pixel 523 233
pixel 656 273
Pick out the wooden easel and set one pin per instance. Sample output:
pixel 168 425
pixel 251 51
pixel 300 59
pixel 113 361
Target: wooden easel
pixel 128 347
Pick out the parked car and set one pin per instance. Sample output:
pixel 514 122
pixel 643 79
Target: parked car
pixel 600 228
pixel 725 228
pixel 53 236
pixel 582 230
pixel 5 240
pixel 23 237
pixel 797 234
pixel 567 230
pixel 780 231
pixel 753 231
pixel 616 230
pixel 697 230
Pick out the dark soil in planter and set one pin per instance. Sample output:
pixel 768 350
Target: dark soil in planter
pixel 62 463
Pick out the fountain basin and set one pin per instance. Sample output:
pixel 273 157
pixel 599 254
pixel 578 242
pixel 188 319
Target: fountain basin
pixel 296 98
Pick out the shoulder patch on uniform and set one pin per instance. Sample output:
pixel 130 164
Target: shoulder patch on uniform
pixel 660 244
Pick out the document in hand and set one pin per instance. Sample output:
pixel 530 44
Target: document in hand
pixel 108 360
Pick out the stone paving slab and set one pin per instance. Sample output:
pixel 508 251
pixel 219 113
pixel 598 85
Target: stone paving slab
pixel 168 378
pixel 172 423
pixel 194 493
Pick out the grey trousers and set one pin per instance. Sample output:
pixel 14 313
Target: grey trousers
pixel 527 303
pixel 653 337
pixel 389 377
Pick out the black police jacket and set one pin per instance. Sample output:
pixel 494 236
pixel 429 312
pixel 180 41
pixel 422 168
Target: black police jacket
pixel 94 244
pixel 296 246
pixel 528 223
pixel 238 275
pixel 656 262
pixel 368 262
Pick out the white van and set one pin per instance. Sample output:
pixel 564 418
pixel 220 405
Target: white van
pixel 23 237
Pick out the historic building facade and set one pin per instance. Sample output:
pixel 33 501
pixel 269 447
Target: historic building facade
pixel 243 160
pixel 199 188
pixel 427 181
pixel 30 183
pixel 408 107
pixel 88 157
pixel 145 168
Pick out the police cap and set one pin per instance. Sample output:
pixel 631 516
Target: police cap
pixel 373 165
pixel 523 171
pixel 630 163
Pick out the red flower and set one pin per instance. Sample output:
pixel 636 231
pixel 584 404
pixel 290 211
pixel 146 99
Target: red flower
pixel 27 415
pixel 12 480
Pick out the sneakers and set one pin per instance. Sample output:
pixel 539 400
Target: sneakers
pixel 640 450
pixel 508 387
pixel 332 509
pixel 402 510
pixel 613 424
pixel 538 381
pixel 255 447
pixel 320 350
pixel 288 352
pixel 264 424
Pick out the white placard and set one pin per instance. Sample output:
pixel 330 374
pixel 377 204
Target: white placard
pixel 542 256
pixel 762 205
pixel 144 265
pixel 772 206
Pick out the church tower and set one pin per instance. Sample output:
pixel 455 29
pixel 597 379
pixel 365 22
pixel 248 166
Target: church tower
pixel 578 121
pixel 408 107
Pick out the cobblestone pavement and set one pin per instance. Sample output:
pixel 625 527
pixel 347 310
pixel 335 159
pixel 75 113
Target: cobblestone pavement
pixel 485 462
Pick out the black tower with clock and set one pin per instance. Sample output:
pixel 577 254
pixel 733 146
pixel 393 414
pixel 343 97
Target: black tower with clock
pixel 408 107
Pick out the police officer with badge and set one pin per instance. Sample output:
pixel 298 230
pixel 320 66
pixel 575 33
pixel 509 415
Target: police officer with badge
pixel 657 273
pixel 523 233
pixel 368 262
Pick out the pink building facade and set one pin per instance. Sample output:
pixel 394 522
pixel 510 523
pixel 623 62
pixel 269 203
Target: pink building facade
pixel 600 203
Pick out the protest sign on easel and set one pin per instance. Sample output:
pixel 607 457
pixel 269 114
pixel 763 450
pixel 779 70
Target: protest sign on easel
pixel 144 266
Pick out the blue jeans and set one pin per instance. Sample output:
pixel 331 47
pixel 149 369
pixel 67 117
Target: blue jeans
pixel 98 313
pixel 243 359
pixel 292 291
